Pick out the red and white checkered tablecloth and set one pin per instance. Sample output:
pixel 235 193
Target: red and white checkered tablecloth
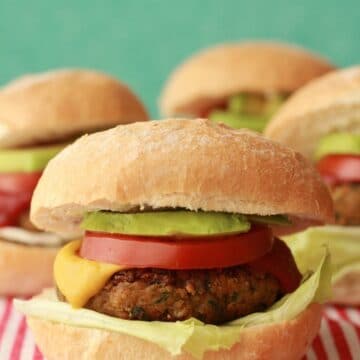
pixel 339 337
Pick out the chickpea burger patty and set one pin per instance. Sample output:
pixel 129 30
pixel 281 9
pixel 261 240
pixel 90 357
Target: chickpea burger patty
pixel 212 296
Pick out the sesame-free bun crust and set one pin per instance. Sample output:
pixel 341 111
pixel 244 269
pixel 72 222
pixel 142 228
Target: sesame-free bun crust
pixel 346 291
pixel 285 340
pixel 60 104
pixel 25 270
pixel 216 73
pixel 328 104
pixel 192 164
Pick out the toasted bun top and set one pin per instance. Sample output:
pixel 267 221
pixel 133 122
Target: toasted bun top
pixel 59 104
pixel 192 164
pixel 328 104
pixel 221 71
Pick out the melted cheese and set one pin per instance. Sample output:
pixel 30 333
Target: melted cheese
pixel 77 278
pixel 26 237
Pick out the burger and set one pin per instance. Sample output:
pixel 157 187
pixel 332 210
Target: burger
pixel 322 121
pixel 240 84
pixel 39 115
pixel 179 257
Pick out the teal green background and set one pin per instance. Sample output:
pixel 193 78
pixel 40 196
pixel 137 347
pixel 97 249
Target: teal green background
pixel 141 41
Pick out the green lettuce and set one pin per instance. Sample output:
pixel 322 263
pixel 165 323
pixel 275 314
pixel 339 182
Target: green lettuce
pixel 343 243
pixel 190 336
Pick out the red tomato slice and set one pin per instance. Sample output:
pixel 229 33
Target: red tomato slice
pixel 15 195
pixel 280 262
pixel 19 183
pixel 337 169
pixel 11 206
pixel 177 254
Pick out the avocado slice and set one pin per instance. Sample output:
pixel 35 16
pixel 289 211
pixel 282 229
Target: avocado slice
pixel 338 143
pixel 270 219
pixel 166 223
pixel 248 111
pixel 252 104
pixel 274 102
pixel 237 103
pixel 28 159
pixel 238 121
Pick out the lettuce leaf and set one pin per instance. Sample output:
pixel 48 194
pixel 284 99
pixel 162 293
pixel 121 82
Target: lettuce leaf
pixel 342 242
pixel 191 336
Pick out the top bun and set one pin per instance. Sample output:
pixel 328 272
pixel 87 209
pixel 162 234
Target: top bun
pixel 326 105
pixel 219 72
pixel 60 104
pixel 192 164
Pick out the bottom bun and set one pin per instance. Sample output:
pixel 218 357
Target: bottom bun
pixel 346 291
pixel 25 269
pixel 286 340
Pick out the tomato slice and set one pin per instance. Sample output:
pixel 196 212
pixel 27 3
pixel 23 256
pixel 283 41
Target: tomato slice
pixel 11 206
pixel 177 254
pixel 337 169
pixel 15 195
pixel 19 183
pixel 280 263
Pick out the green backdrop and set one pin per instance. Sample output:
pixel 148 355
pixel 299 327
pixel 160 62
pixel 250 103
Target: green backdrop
pixel 141 41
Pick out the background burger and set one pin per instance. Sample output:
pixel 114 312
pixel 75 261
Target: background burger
pixel 39 115
pixel 178 256
pixel 322 121
pixel 240 84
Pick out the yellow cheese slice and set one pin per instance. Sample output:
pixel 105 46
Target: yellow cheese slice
pixel 79 279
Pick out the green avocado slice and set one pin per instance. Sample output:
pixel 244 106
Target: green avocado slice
pixel 238 121
pixel 338 143
pixel 166 223
pixel 242 112
pixel 179 222
pixel 27 160
pixel 274 103
pixel 236 104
